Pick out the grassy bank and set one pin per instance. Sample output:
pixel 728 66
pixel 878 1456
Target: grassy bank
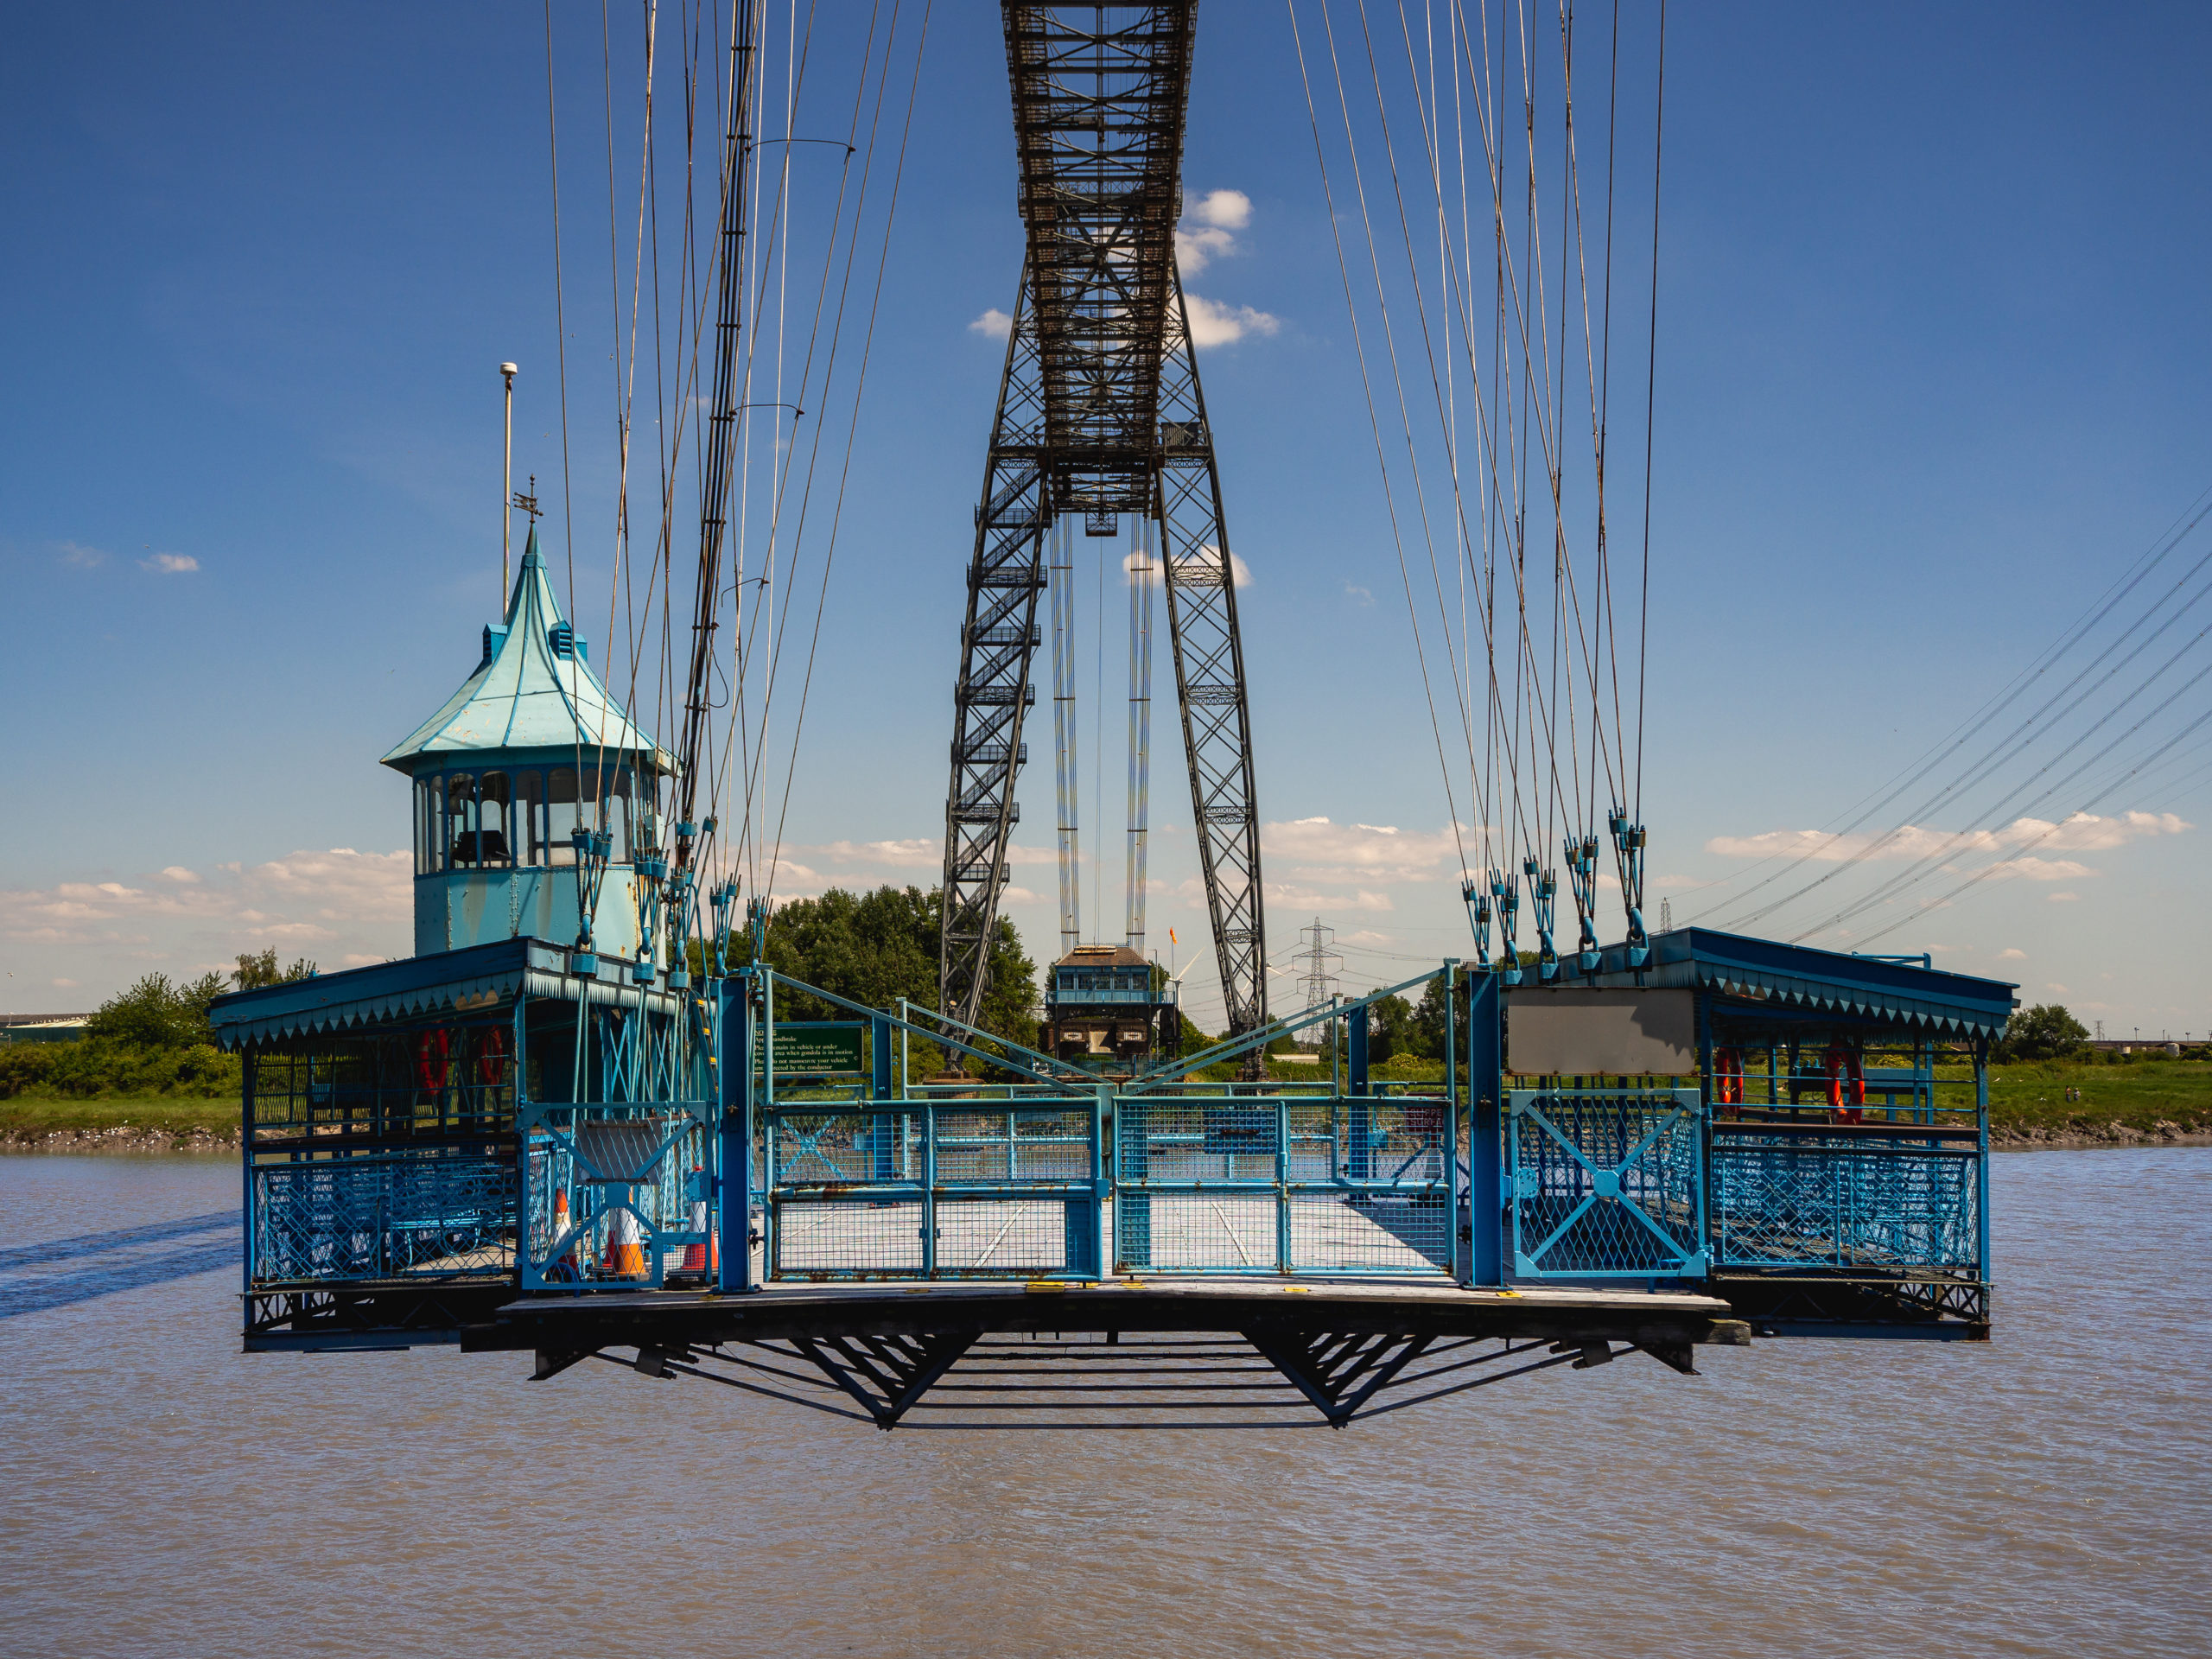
pixel 2147 1100
pixel 149 1120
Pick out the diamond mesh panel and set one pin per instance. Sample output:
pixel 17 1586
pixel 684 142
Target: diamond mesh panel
pixel 1835 1204
pixel 372 1218
pixel 1606 1184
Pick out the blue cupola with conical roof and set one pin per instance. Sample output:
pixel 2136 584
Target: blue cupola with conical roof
pixel 535 797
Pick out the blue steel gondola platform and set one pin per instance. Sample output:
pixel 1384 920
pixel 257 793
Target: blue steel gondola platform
pixel 504 1148
pixel 514 1144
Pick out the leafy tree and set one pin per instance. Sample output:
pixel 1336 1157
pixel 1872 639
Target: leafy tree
pixel 253 972
pixel 877 947
pixel 1390 1029
pixel 2042 1033
pixel 154 1014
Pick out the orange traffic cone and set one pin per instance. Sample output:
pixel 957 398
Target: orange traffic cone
pixel 561 1226
pixel 624 1256
pixel 697 1257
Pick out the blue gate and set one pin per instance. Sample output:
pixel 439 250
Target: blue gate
pixel 1606 1184
pixel 1217 1181
pixel 934 1188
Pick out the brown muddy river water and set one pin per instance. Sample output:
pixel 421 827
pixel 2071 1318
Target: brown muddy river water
pixel 163 1494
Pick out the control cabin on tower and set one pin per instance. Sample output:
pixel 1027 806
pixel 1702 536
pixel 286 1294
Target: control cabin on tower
pixel 1104 1011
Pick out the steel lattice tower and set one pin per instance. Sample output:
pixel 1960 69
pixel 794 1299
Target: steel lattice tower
pixel 1100 412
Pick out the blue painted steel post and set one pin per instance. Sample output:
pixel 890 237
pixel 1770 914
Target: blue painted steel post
pixel 1981 1162
pixel 882 1127
pixel 1079 1249
pixel 1285 1258
pixel 1455 1259
pixel 1362 1163
pixel 733 1093
pixel 245 1145
pixel 1132 1167
pixel 1485 1138
pixel 928 1189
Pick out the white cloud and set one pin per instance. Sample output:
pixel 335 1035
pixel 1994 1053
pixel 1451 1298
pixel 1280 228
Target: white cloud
pixel 1317 850
pixel 64 984
pixel 1362 596
pixel 169 564
pixel 2012 954
pixel 1227 210
pixel 994 324
pixel 302 891
pixel 1215 324
pixel 1314 900
pixel 2042 869
pixel 2065 899
pixel 2083 832
pixel 84 558
pixel 1207 557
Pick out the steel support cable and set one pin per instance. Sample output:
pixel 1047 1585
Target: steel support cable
pixel 781 214
pixel 625 384
pixel 729 266
pixel 2019 684
pixel 1980 772
pixel 1650 405
pixel 860 387
pixel 745 622
pixel 1509 279
pixel 1485 427
pixel 1405 416
pixel 560 315
pixel 776 254
pixel 1554 466
pixel 760 747
pixel 1428 343
pixel 2009 866
pixel 1367 388
pixel 1914 872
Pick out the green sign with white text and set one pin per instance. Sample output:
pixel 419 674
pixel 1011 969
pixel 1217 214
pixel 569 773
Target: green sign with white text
pixel 818 1048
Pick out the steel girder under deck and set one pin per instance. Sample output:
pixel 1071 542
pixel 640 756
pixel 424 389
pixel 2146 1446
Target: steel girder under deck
pixel 1118 1353
pixel 1100 412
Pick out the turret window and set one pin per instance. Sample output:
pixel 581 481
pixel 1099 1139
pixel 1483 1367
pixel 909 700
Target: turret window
pixel 508 819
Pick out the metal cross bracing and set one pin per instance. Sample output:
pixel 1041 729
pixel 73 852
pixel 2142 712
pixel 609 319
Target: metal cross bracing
pixel 1153 1373
pixel 1100 412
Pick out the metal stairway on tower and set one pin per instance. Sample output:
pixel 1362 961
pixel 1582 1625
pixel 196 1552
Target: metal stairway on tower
pixel 1100 413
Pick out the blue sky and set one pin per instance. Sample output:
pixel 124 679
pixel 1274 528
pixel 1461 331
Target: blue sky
pixel 1932 355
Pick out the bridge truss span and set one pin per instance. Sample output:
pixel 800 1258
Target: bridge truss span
pixel 1100 413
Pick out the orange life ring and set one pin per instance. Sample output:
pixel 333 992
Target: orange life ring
pixel 491 1057
pixel 431 1051
pixel 1846 1084
pixel 1728 1076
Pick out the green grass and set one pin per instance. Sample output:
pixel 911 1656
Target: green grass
pixel 27 1118
pixel 2028 1096
pixel 2027 1100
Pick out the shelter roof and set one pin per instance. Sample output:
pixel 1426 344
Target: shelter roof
pixel 1798 979
pixel 534 689
pixel 1101 956
pixel 415 989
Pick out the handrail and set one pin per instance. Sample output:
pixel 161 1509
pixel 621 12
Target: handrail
pixel 781 977
pixel 1229 1048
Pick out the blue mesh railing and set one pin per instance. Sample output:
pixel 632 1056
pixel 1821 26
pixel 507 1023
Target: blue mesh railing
pixel 375 1217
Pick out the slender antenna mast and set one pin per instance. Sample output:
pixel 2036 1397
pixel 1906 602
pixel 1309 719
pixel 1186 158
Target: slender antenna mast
pixel 721 446
pixel 507 487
